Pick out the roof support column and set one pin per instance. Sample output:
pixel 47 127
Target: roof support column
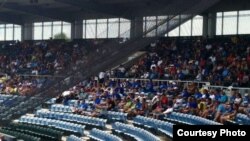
pixel 27 31
pixel 209 25
pixel 136 27
pixel 77 29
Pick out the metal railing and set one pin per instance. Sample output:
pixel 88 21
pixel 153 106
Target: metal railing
pixel 241 90
pixel 159 81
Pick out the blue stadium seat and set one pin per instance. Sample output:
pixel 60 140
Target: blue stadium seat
pixel 72 118
pixel 190 119
pixel 99 135
pixel 73 138
pixel 137 133
pixel 118 116
pixel 163 126
pixel 242 119
pixel 53 123
pixel 61 108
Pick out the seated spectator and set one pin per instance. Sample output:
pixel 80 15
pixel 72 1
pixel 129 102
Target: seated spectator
pixel 223 98
pixel 158 109
pixel 238 99
pixel 191 106
pixel 230 114
pixel 221 110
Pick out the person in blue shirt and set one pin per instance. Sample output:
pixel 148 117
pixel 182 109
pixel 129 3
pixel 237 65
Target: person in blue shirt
pixel 138 108
pixel 221 110
pixel 191 106
pixel 232 97
pixel 185 94
pixel 217 95
pixel 80 107
pixel 105 95
pixel 230 114
pixel 138 105
pixel 197 94
pixel 223 98
pixel 136 84
pixel 66 100
pixel 83 105
pixel 116 96
pixel 97 99
pixel 149 87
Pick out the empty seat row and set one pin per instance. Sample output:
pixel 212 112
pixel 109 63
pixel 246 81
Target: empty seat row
pixel 163 126
pixel 66 126
pixel 20 135
pixel 100 135
pixel 117 116
pixel 38 129
pixel 135 132
pixel 61 108
pixel 72 118
pixel 242 119
pixel 190 119
pixel 73 138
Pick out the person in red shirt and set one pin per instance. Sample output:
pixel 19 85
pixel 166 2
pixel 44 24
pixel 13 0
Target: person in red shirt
pixel 164 100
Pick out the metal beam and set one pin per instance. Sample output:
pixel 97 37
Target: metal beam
pixel 38 11
pixel 9 18
pixel 86 5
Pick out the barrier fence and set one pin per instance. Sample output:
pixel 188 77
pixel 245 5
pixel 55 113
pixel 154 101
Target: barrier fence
pixel 162 81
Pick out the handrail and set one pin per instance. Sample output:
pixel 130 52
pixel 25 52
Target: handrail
pixel 161 80
pixel 227 87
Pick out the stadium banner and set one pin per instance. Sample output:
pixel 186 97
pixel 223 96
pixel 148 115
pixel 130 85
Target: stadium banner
pixel 211 132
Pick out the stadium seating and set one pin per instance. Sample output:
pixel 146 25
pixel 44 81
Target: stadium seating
pixel 242 119
pixel 72 118
pixel 190 119
pixel 38 131
pixel 20 135
pixel 73 138
pixel 137 133
pixel 163 126
pixel 66 126
pixel 61 108
pixel 99 135
pixel 117 116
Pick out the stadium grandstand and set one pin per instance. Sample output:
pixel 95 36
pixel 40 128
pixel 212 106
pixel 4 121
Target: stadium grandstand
pixel 121 70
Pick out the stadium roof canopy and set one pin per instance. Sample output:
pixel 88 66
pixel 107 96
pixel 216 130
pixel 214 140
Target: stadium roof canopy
pixel 21 11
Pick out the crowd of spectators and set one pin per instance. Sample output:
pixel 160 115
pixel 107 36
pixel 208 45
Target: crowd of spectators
pixel 223 63
pixel 155 100
pixel 218 62
pixel 26 66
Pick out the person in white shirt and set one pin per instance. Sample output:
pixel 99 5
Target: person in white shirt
pixel 169 110
pixel 238 99
pixel 178 102
pixel 155 99
pixel 212 95
pixel 101 77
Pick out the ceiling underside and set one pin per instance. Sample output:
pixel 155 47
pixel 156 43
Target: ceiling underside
pixel 21 11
